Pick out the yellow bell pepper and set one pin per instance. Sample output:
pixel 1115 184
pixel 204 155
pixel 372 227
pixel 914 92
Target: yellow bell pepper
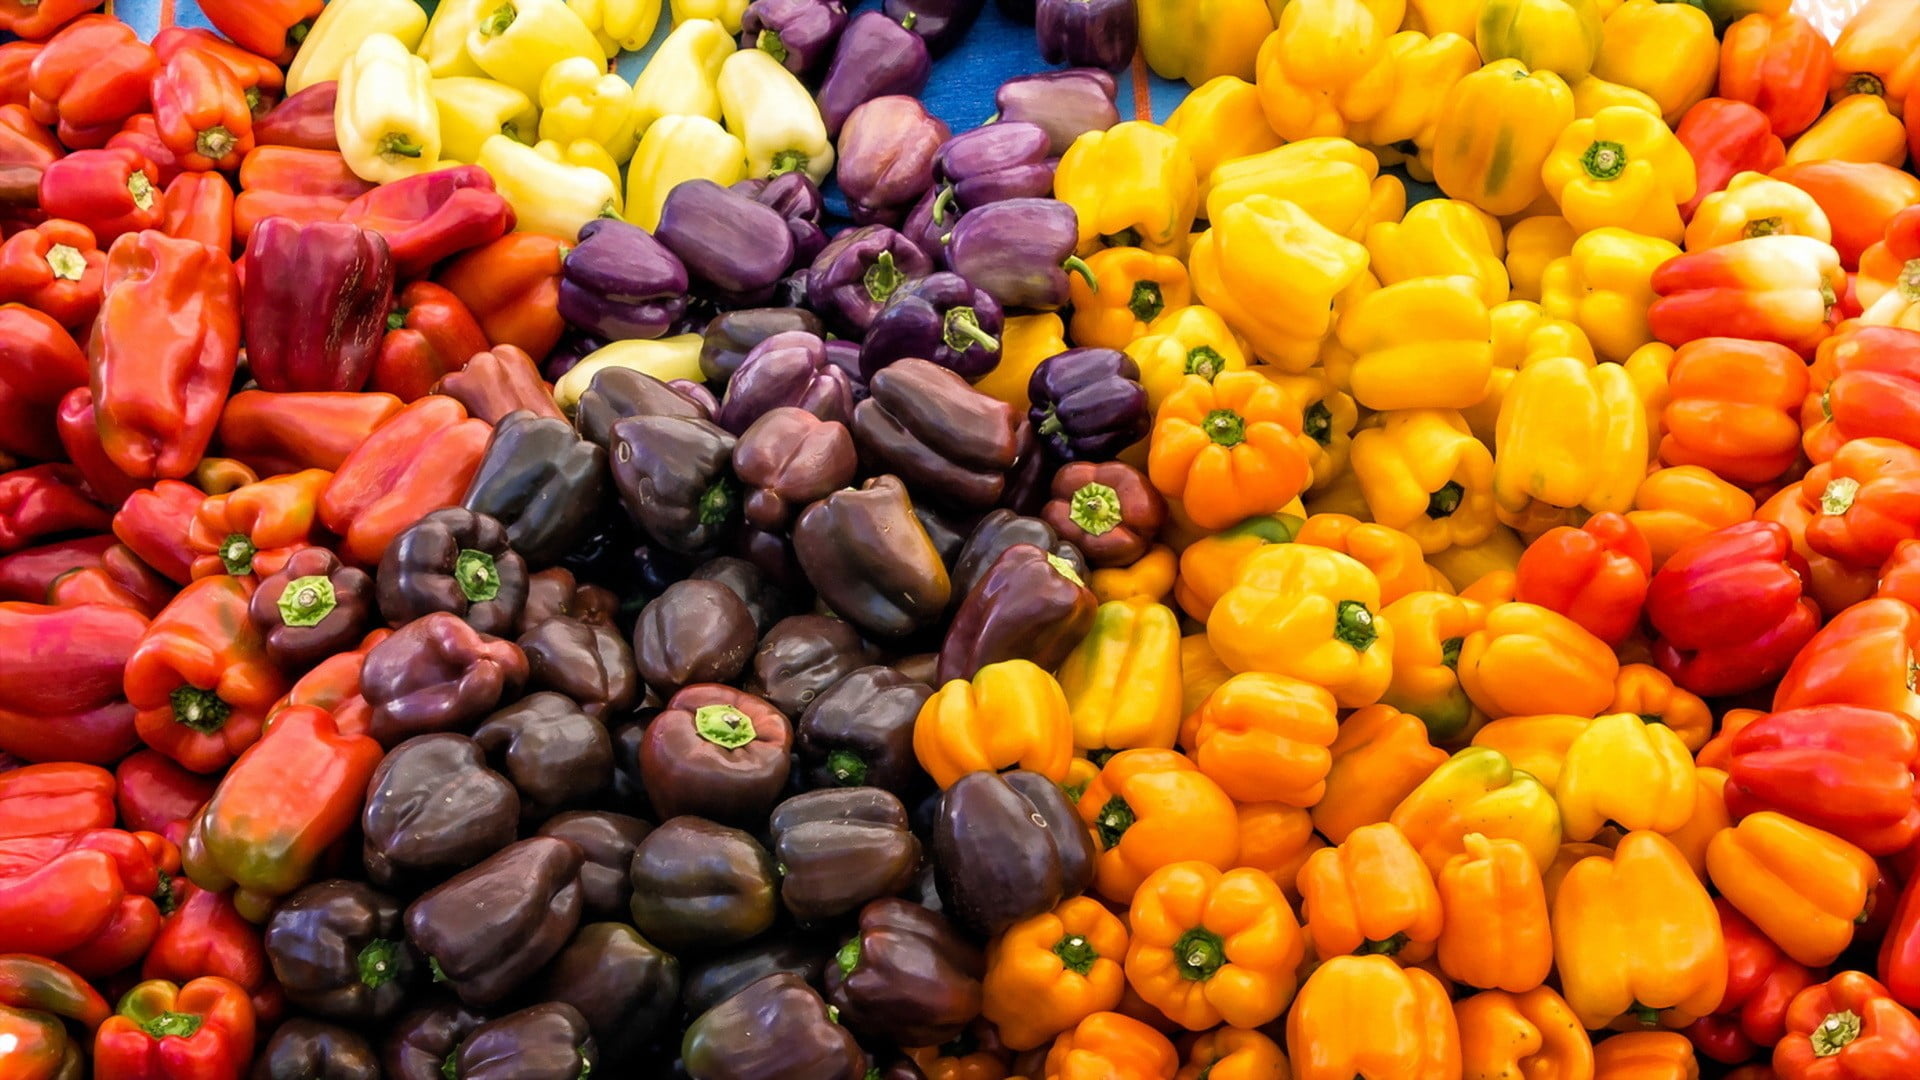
pixel 619 25
pixel 1805 888
pixel 1328 44
pixel 1524 334
pixel 1666 51
pixel 1026 341
pixel 1650 694
pixel 1469 566
pixel 1392 555
pixel 1528 660
pixel 384 117
pixel 473 110
pixel 1308 613
pixel 1273 272
pixel 1218 122
pixel 1150 577
pixel 1755 204
pixel 1010 715
pixel 1570 435
pixel 1537 745
pixel 1860 127
pixel 1436 17
pixel 1327 418
pixel 676 149
pixel 1429 628
pixel 1561 36
pixel 444 45
pixel 1130 289
pixel 518 40
pixel 1874 52
pixel 1201 672
pixel 1438 238
pixel 775 116
pixel 581 99
pixel 340 28
pixel 1132 185
pixel 1424 473
pixel 1330 178
pixel 1422 69
pixel 1621 167
pixel 1605 285
pixel 666 359
pixel 592 155
pixel 1532 245
pixel 1297 111
pixel 1123 680
pixel 727 13
pixel 548 195
pixel 682 78
pixel 1594 93
pixel 1626 771
pixel 1419 344
pixel 1478 791
pixel 1496 128
pixel 1197 40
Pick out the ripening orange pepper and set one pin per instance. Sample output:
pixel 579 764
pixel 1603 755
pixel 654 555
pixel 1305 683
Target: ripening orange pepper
pixel 1109 1046
pixel 1875 54
pixel 1833 584
pixel 1210 947
pixel 1780 65
pixel 1393 556
pixel 1047 973
pixel 1650 694
pixel 1234 1054
pixel 1149 808
pixel 1371 894
pixel 1709 819
pixel 1429 629
pixel 1805 888
pixel 1379 756
pixel 1674 506
pixel 1478 791
pixel 1528 659
pixel 1494 934
pixel 1645 1055
pixel 1365 1016
pixel 1733 406
pixel 1536 745
pixel 1718 753
pixel 1277 840
pixel 1859 127
pixel 1210 564
pixel 256 527
pixel 1265 737
pixel 1530 1036
pixel 1201 672
pixel 1228 449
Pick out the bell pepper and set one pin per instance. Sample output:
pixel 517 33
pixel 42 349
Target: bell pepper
pixel 682 76
pixel 1647 692
pixel 1209 565
pixel 1264 738
pixel 199 206
pixel 26 149
pixel 1424 473
pixel 1440 238
pixel 1209 946
pixel 1108 511
pixel 676 149
pixel 199 677
pixel 64 702
pixel 1561 36
pixel 39 20
pixel 113 191
pixel 82 896
pixel 1497 127
pixel 1753 204
pixel 39 365
pixel 1537 422
pixel 1595 575
pixel 1896 962
pixel 46 800
pixel 1277 840
pixel 1494 908
pixel 1842 768
pixel 254 529
pixel 499 381
pixel 1779 64
pixel 1729 609
pixel 434 336
pixel 202 112
pixel 1149 578
pixel 1858 128
pixel 1834 585
pixel 1768 288
pixel 1804 888
pixel 1108 1044
pixel 1332 179
pixel 512 287
pixel 1371 895
pixel 1220 120
pixel 1049 972
pixel 271 28
pixel 774 116
pixel 303 120
pixel 160 1031
pixel 203 935
pixel 1670 55
pixel 1175 51
pixel 1228 449
pixel 1380 755
pixel 579 99
pixel 1408 1021
pixel 1154 208
pixel 154 794
pixel 1122 681
pixel 1846 1027
pixel 279 433
pixel 1328 419
pixel 1027 603
pixel 388 124
pixel 978 818
pixel 1624 770
pixel 1310 614
pixel 1149 808
pixel 1429 629
pixel 175 303
pixel 1725 138
pixel 153 522
pixel 1263 239
pixel 36 996
pixel 1620 167
pixel 1860 199
pixel 1677 505
pixel 377 490
pixel 961 728
pixel 518 42
pixel 1423 68
pixel 90 78
pixel 1858 517
pixel 119 579
pixel 1523 637
pixel 1861 657
pixel 1888 271
pixel 45 501
pixel 1867 57
pixel 1392 556
pixel 898 944
pixel 1534 1032
pixel 1761 982
pixel 1478 791
pixel 434 216
pixel 316 304
pixel 56 269
pixel 292 182
pixel 1330 63
pixel 1183 341
pixel 1131 289
pixel 261 79
pixel 339 30
pixel 473 110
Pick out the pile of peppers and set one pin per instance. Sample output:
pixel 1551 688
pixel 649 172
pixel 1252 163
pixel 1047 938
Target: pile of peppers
pixel 507 573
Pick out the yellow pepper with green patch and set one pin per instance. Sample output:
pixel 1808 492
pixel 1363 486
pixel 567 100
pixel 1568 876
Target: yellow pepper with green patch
pixel 1570 435
pixel 340 28
pixel 1220 121
pixel 1424 473
pixel 1428 630
pixel 1197 40
pixel 1422 70
pixel 1191 340
pixel 581 99
pixel 1130 289
pixel 1419 344
pixel 727 13
pixel 682 78
pixel 1123 680
pixel 385 118
pixel 1666 51
pixel 1604 285
pixel 1273 272
pixel 1621 167
pixel 549 193
pixel 1437 238
pixel 1132 185
pixel 1625 771
pixel 1478 791
pixel 516 41
pixel 775 117
pixel 1496 128
pixel 676 149
pixel 1561 36
pixel 619 25
pixel 1309 613
pixel 473 110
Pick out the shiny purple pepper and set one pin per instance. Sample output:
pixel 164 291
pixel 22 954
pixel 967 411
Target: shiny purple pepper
pixel 885 159
pixel 1068 104
pixel 1087 33
pixel 1019 250
pixel 859 271
pixel 796 198
pixel 734 248
pixel 619 283
pixel 789 369
pixel 991 163
pixel 941 318
pixel 943 23
pixel 876 57
pixel 1088 404
pixel 798 33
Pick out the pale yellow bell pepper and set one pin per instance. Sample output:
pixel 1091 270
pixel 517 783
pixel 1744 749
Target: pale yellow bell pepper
pixel 549 194
pixel 1419 344
pixel 473 110
pixel 1755 204
pixel 619 25
pixel 775 117
pixel 385 118
pixel 444 45
pixel 727 13
pixel 516 41
pixel 1594 93
pixel 665 359
pixel 1605 286
pixel 1274 272
pixel 1218 122
pixel 580 99
pixel 340 28
pixel 676 149
pixel 1442 237
pixel 682 77
pixel 1570 435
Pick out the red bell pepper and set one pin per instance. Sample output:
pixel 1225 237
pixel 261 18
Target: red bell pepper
pixel 1847 769
pixel 1899 961
pixel 1779 64
pixel 1730 609
pixel 79 432
pixel 269 28
pixel 414 464
pixel 254 529
pixel 1834 585
pixel 277 433
pixel 434 216
pixel 29 574
pixel 154 794
pixel 16 66
pixel 113 191
pixel 1761 983
pixel 84 898
pixel 56 268
pixel 26 149
pixel 499 381
pixel 121 580
pixel 1865 499
pixel 141 134
pixel 1726 137
pixel 54 799
pixel 36 997
pixel 40 503
pixel 202 111
pixel 60 696
pixel 199 206
pixel 1889 278
pixel 163 352
pixel 1765 288
pixel 290 182
pixel 264 836
pixel 1899 576
pixel 1865 381
pixel 200 1031
pixel 1865 656
pixel 200 677
pixel 261 80
pixel 1848 1028
pixel 304 119
pixel 92 76
pixel 315 304
pixel 201 934
pixel 1859 198
pixel 37 20
pixel 430 333
pixel 334 685
pixel 39 364
pixel 513 287
pixel 154 524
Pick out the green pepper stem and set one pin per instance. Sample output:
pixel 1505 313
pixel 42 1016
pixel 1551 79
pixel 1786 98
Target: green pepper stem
pixel 942 203
pixel 1077 265
pixel 847 768
pixel 378 963
pixel 1123 238
pixel 1076 953
pixel 883 278
pixel 1766 226
pixel 1317 423
pixel 1113 821
pixel 201 710
pixel 963 331
pixel 848 958
pixel 141 189
pixel 1225 427
pixel 1835 1033
pixel 1389 947
pixel 215 142
pixel 716 503
pixel 397 319
pixel 723 726
pixel 1065 569
pixel 769 42
pixel 1198 954
pixel 1450 651
pixel 1443 503
pixel 308 600
pixel 909 19
pixel 400 144
pixel 66 262
pixel 477 575
pixel 236 554
pixel 1353 624
pixel 1866 82
pixel 176 1024
pixel 787 161
pixel 497 23
pixel 1205 361
pixel 1095 508
pixel 1604 160
pixel 1839 495
pixel 1147 301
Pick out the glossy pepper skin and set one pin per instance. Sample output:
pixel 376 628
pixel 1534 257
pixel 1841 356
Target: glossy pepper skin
pixel 1861 386
pixel 1622 770
pixel 906 974
pixel 699 885
pixel 860 732
pixel 1767 288
pixel 1371 895
pixel 729 243
pixel 1478 790
pixel 694 632
pixel 1706 397
pixel 1421 1039
pixel 1007 847
pixel 672 474
pixel 202 112
pixel 64 702
pixel 871 559
pixel 1729 609
pixel 312 608
pixel 56 269
pixel 302 1047
pixel 429 218
pixel 437 673
pixel 553 752
pixel 429 333
pixel 1596 575
pixel 964 727
pixel 338 949
pixel 787 369
pixel 1761 982
pixel 315 305
pixel 1494 904
pixel 382 486
pixel 104 917
pixel 1029 604
pixel 1520 1032
pixel 1803 886
pixel 798 33
pixel 842 847
pixel 942 318
pixel 789 458
pixel 434 807
pixel 458 561
pixel 1049 972
pixel 1846 1027
pixel 37 370
pixel 1880 635
pixel 277 433
pixel 621 283
pixel 1228 449
pixel 293 182
pixel 1141 801
pixel 93 75
pixel 160 1030
pixel 717 753
pixel 885 157
pixel 489 928
pixel 1088 404
pixel 775 1026
pixel 1122 680
pixel 252 529
pixel 539 479
pixel 40 995
pixel 1192 924
pixel 1846 769
pixel 200 678
pixel 858 271
pixel 204 934
pixel 1307 613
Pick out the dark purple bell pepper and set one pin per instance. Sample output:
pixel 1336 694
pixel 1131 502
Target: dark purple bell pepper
pixel 1087 404
pixel 859 271
pixel 941 22
pixel 786 369
pixel 698 393
pixel 877 56
pixel 941 318
pixel 795 197
pixel 798 33
pixel 1006 160
pixel 731 244
pixel 1067 103
pixel 886 157
pixel 1020 251
pixel 619 283
pixel 845 355
pixel 574 347
pixel 731 335
pixel 1087 33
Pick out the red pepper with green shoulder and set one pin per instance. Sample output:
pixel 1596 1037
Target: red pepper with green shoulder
pixel 201 1031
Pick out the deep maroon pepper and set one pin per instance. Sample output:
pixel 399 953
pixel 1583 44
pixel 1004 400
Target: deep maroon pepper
pixel 1087 33
pixel 885 159
pixel 1068 104
pixel 798 33
pixel 625 987
pixel 876 56
pixel 1088 404
pixel 437 674
pixel 943 23
pixel 421 1042
pixel 498 383
pixel 315 304
pixel 555 593
pixel 1030 604
pixel 790 458
pixel 314 607
pixel 775 1027
pixel 1019 251
pixel 859 732
pixel 713 979
pixel 557 756
pixel 617 393
pixel 766 600
pixel 859 271
pixel 588 662
pixel 549 1041
pixel 339 950
pixel 789 369
pixel 674 476
pixel 542 481
pixel 906 975
pixel 303 1049
pixel 700 886
pixel 840 848
pixel 455 561
pixel 694 632
pixel 941 318
pixel 1006 847
pixel 802 656
pixel 870 559
pixel 607 840
pixel 1004 160
pixel 304 119
pixel 717 753
pixel 1106 509
pixel 731 335
pixel 486 930
pixel 434 807
pixel 433 216
pixel 952 444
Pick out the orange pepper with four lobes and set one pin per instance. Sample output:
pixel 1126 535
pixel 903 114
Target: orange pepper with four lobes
pixel 1805 888
pixel 1234 1054
pixel 1571 435
pixel 1379 757
pixel 1675 506
pixel 1228 449
pixel 1494 905
pixel 1048 973
pixel 1010 715
pixel 1636 935
pixel 1372 895
pixel 1710 818
pixel 1418 344
pixel 1209 565
pixel 1621 167
pixel 1109 1046
pixel 1424 473
pixel 1875 54
pixel 1274 273
pixel 1860 127
pixel 1861 500
pixel 1535 745
pixel 1130 289
pixel 1277 840
pixel 1650 694
pixel 1755 204
pixel 1645 1055
pixel 1122 681
pixel 1327 418
pixel 1429 628
pixel 1666 51
pixel 256 527
pixel 1624 771
pixel 1150 808
pixel 1212 946
pixel 1201 672
pixel 1265 737
pixel 1308 613
pixel 1365 1016
pixel 1478 791
pixel 1531 1035
pixel 1528 660
pixel 1392 555
pixel 1442 238
pixel 1148 578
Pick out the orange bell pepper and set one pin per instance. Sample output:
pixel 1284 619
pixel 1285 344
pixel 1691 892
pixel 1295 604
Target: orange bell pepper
pixel 1875 54
pixel 1833 584
pixel 1010 715
pixel 1535 745
pixel 1212 947
pixel 1380 755
pixel 419 460
pixel 1718 753
pixel 1710 818
pixel 1859 198
pixel 1149 808
pixel 512 286
pixel 1807 889
pixel 1209 565
pixel 1494 935
pixel 1532 1035
pixel 1201 672
pixel 1109 1046
pixel 1150 577
pixel 1595 575
pixel 1626 772
pixel 1529 660
pixel 1645 1055
pixel 1780 65
pixel 1228 449
pixel 1733 407
pixel 1234 1054
pixel 1393 556
pixel 1265 737
pixel 200 678
pixel 1860 127
pixel 1650 694
pixel 1862 500
pixel 1429 629
pixel 1365 1016
pixel 1607 918
pixel 1277 840
pixel 1864 656
pixel 1371 894
pixel 1678 505
pixel 1477 791
pixel 1048 973
pixel 1900 574
pixel 255 528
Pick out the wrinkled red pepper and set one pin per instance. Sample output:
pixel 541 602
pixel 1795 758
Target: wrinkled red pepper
pixel 201 934
pixel 55 799
pixel 61 697
pixel 1730 609
pixel 1864 656
pixel 83 897
pixel 80 436
pixel 28 575
pixel 26 149
pixel 154 524
pixel 430 334
pixel 434 216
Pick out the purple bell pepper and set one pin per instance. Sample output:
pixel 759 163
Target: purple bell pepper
pixel 574 347
pixel 619 283
pixel 795 197
pixel 876 57
pixel 859 271
pixel 798 33
pixel 886 157
pixel 315 305
pixel 1087 404
pixel 940 318
pixel 1068 104
pixel 731 335
pixel 992 163
pixel 1020 250
pixel 941 22
pixel 786 369
pixel 845 355
pixel 1087 33
pixel 732 245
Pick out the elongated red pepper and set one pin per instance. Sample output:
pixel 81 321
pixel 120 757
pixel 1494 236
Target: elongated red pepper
pixel 434 216
pixel 37 20
pixel 39 365
pixel 200 677
pixel 56 268
pixel 200 1031
pixel 199 206
pixel 27 575
pixel 113 191
pixel 1761 983
pixel 43 502
pixel 121 580
pixel 92 76
pixel 430 333
pixel 1842 768
pixel 60 695
pixel 1730 609
pixel 414 464
pixel 304 119
pixel 269 28
pixel 1858 197
pixel 291 182
pixel 277 433
pixel 55 799
pixel 254 529
pixel 202 111
pixel 1725 138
